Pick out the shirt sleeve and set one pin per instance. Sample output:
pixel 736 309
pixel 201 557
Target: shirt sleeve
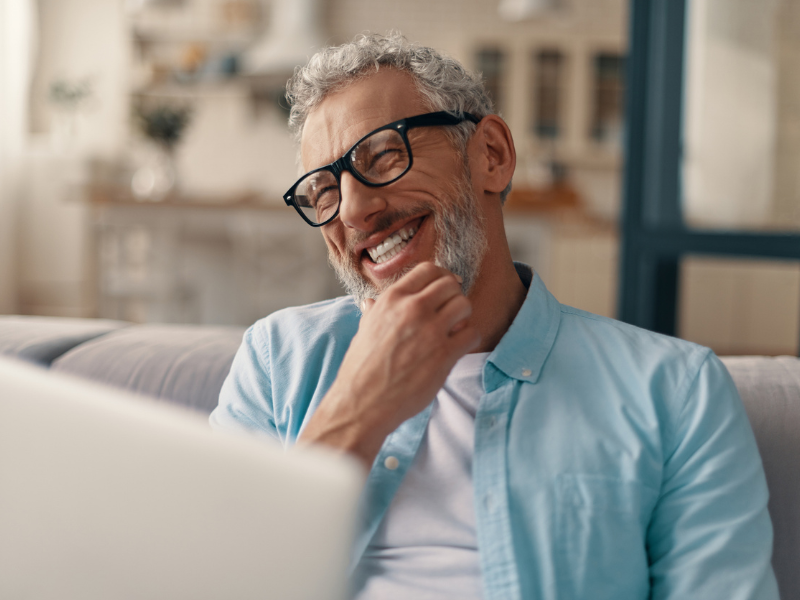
pixel 245 400
pixel 710 536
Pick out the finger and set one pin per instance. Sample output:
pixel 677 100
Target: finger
pixel 439 292
pixel 465 341
pixel 420 277
pixel 367 305
pixel 456 310
pixel 458 326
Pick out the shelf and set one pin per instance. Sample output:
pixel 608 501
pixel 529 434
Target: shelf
pixel 108 196
pixel 199 36
pixel 199 87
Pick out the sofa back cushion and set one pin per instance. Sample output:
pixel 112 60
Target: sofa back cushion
pixel 770 390
pixel 43 339
pixel 185 365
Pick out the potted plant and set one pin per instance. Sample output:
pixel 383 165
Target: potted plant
pixel 163 124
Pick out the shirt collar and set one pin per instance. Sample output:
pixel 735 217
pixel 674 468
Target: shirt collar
pixel 524 348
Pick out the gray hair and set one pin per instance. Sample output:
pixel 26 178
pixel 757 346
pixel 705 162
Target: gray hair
pixel 442 81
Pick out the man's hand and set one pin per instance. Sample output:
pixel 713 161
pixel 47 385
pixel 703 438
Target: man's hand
pixel 406 345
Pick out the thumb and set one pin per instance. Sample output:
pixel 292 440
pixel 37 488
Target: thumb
pixel 366 305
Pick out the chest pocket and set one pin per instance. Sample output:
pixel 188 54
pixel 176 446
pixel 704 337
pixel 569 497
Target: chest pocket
pixel 601 524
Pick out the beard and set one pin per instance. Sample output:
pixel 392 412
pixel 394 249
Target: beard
pixel 460 241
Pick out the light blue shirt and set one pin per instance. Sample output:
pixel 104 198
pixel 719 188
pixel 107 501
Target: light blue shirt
pixel 610 463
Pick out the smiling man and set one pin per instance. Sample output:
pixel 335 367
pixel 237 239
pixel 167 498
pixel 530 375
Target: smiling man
pixel 517 448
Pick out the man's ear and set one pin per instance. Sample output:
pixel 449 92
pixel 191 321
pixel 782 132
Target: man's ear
pixel 496 154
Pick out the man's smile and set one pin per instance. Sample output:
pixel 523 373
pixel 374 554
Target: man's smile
pixel 385 253
pixel 392 243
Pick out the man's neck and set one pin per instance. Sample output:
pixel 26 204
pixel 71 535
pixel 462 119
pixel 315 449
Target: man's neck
pixel 496 297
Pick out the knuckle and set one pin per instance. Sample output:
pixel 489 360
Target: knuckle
pixel 428 268
pixel 390 295
pixel 456 287
pixel 415 308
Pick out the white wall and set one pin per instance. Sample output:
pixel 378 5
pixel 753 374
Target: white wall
pixel 228 150
pixel 16 44
pixel 79 39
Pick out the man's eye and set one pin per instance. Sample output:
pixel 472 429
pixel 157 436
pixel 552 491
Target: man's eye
pixel 386 159
pixel 325 196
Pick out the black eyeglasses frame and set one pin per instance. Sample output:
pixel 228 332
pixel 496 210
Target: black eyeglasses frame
pixel 345 162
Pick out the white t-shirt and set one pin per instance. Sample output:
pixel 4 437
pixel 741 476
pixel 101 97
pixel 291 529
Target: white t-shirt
pixel 426 547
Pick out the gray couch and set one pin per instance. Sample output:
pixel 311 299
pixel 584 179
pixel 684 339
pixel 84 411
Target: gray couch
pixel 182 364
pixel 186 365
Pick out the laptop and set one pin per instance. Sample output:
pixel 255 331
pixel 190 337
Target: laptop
pixel 105 495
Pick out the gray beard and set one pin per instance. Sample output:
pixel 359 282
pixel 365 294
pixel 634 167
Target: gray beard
pixel 460 241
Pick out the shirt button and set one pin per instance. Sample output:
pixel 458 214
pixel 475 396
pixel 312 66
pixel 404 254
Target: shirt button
pixel 492 421
pixel 391 463
pixel 488 502
pixel 526 372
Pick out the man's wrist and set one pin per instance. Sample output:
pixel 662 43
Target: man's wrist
pixel 338 424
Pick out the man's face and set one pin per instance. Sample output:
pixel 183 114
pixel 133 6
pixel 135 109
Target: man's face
pixel 431 213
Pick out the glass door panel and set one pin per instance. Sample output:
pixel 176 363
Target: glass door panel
pixel 741 139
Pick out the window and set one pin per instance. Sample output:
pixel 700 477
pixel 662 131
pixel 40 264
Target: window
pixel 491 64
pixel 608 99
pixel 548 68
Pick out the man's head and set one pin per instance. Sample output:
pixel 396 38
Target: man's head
pixel 435 210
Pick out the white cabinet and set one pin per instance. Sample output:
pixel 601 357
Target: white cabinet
pixel 189 263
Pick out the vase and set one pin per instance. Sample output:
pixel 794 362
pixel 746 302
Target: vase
pixel 157 177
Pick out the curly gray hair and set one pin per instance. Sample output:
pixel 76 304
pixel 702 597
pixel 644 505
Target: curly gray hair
pixel 442 81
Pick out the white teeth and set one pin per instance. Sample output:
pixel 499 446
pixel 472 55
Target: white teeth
pixel 391 245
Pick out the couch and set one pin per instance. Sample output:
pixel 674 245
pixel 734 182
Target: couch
pixel 186 365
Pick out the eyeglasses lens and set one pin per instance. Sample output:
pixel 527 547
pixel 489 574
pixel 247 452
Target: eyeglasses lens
pixel 381 158
pixel 317 195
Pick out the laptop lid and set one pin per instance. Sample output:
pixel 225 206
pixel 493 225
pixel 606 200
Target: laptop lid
pixel 105 495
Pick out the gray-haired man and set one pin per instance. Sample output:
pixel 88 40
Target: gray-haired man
pixel 517 448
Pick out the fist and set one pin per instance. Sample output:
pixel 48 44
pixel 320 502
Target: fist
pixel 406 345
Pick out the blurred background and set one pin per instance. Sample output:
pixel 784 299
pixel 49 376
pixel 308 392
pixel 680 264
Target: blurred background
pixel 144 151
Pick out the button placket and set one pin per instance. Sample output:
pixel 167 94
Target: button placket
pixel 489 477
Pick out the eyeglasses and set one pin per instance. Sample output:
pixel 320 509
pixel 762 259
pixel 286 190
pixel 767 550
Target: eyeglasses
pixel 379 158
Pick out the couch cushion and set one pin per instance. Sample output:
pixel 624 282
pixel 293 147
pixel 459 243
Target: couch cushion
pixel 43 339
pixel 770 390
pixel 183 364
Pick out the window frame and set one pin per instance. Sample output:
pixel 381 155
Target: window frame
pixel 654 236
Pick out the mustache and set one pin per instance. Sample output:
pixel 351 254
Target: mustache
pixel 387 219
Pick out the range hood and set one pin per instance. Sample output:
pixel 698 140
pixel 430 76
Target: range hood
pixel 293 36
pixel 519 10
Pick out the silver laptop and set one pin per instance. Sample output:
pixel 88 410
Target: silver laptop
pixel 104 495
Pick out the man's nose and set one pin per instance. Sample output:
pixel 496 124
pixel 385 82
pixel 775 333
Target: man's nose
pixel 360 204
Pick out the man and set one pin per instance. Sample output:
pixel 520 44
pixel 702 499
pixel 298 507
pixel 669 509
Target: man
pixel 517 448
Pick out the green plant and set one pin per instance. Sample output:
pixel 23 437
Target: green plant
pixel 164 123
pixel 70 94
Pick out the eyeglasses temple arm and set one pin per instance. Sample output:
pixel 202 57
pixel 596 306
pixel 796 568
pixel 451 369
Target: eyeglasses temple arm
pixel 440 118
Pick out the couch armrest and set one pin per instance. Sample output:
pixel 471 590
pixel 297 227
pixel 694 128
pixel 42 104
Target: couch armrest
pixel 770 390
pixel 43 339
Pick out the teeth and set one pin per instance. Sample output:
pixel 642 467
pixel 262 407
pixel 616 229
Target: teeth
pixel 391 245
